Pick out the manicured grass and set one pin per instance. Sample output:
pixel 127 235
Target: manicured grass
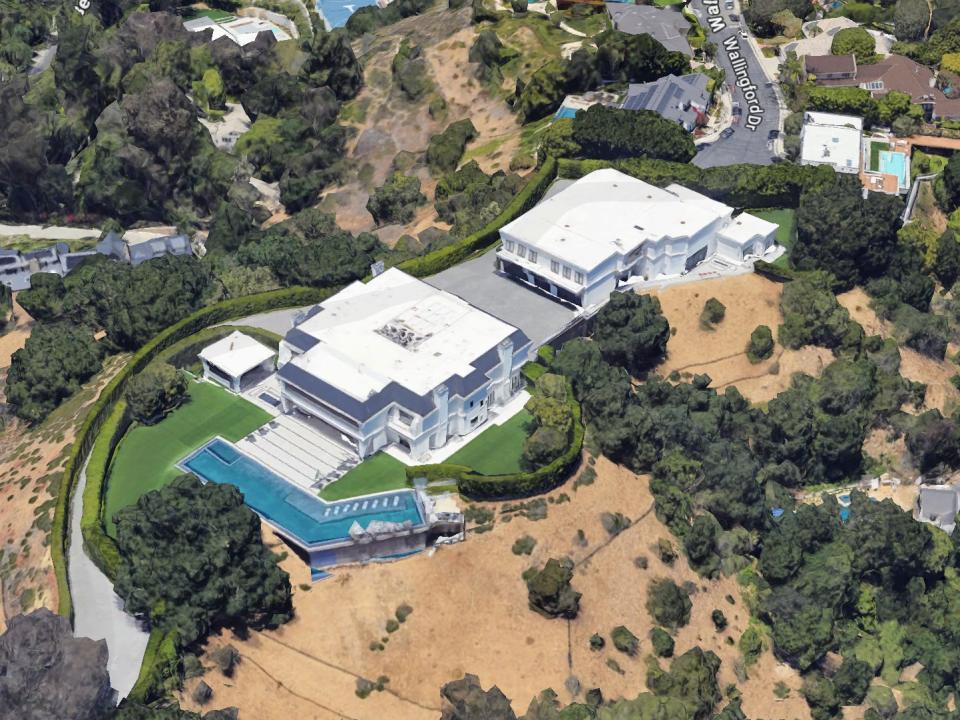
pixel 212 13
pixel 378 473
pixel 668 3
pixel 786 220
pixel 875 149
pixel 497 450
pixel 146 457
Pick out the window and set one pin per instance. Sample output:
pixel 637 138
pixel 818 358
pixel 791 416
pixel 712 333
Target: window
pixel 874 85
pixel 578 276
pixel 566 272
pixel 533 256
pixel 509 245
pixel 521 251
pixel 554 267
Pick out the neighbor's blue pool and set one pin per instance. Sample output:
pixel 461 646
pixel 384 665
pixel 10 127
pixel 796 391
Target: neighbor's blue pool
pixel 894 163
pixel 305 516
pixel 337 12
pixel 565 113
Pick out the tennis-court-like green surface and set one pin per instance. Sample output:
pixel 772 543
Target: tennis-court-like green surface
pixel 147 456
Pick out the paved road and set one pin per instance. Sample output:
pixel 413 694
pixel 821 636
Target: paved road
pixel 98 611
pixel 745 145
pixel 275 321
pixel 49 232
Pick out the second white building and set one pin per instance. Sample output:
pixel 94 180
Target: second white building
pixel 608 227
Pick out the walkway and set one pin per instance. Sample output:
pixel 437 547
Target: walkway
pixel 932 141
pixel 98 611
pixel 49 232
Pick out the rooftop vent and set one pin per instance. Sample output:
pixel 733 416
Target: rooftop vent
pixel 402 335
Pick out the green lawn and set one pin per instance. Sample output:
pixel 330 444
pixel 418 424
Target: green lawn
pixel 377 473
pixel 212 13
pixel 786 220
pixel 498 449
pixel 876 146
pixel 146 457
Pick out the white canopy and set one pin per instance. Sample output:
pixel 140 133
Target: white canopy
pixel 236 354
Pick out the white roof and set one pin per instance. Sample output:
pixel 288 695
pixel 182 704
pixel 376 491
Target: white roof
pixel 608 213
pixel 236 354
pixel 241 30
pixel 396 328
pixel 745 227
pixel 833 139
pixel 140 235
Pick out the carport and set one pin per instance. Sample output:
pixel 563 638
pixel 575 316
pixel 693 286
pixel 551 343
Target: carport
pixel 237 360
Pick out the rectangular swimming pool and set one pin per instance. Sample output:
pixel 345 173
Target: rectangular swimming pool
pixel 894 163
pixel 304 516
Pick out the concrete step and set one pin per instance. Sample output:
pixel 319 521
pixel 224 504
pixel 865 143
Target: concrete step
pixel 311 448
pixel 286 467
pixel 314 438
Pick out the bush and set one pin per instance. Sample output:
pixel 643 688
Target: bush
pixel 523 545
pixel 760 346
pixel 226 659
pixel 625 641
pixel 662 642
pixel 611 133
pixel 632 332
pixel 713 312
pixel 719 620
pixel 549 591
pixel 544 446
pixel 855 41
pixel 155 392
pixel 852 681
pixel 403 612
pixel 668 604
pixel 396 200
pixel 445 149
pixel 751 645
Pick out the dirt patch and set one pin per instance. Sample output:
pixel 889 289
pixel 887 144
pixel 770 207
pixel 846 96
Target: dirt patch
pixel 470 615
pixel 31 467
pixel 935 374
pixel 17 335
pixel 720 352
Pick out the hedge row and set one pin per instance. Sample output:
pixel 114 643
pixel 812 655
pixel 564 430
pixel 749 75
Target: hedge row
pixel 489 235
pixel 162 656
pixel 101 410
pixel 185 353
pixel 160 669
pixel 755 186
pixel 100 547
pixel 515 485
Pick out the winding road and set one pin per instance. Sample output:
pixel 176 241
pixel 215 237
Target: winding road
pixel 98 611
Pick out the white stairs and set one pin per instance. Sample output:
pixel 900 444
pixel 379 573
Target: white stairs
pixel 297 452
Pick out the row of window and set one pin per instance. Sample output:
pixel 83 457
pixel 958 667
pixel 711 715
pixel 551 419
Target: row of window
pixel 530 254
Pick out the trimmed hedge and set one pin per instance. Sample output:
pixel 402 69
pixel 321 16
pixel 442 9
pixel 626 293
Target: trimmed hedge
pixel 161 664
pixel 161 661
pixel 103 407
pixel 183 353
pixel 515 485
pixel 755 186
pixel 489 235
pixel 99 546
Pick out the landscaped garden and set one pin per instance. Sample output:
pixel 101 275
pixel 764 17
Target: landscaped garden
pixel 786 220
pixel 146 458
pixel 378 473
pixel 498 450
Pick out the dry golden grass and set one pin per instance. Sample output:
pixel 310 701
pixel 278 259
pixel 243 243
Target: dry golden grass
pixel 470 615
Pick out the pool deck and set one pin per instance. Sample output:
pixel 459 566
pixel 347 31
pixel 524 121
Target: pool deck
pixel 298 514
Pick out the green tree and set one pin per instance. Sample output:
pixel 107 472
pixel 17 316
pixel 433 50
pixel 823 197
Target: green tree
pixel 605 132
pixel 692 678
pixel 155 392
pixel 910 19
pixel 852 681
pixel 812 316
pixel 55 361
pixel 662 642
pixel 445 149
pixel 43 300
pixel 396 200
pixel 331 63
pixel 192 561
pixel 549 590
pixel 632 332
pixel 855 41
pixel 951 181
pixel 760 346
pixel 668 604
pixel 713 312
pixel 543 446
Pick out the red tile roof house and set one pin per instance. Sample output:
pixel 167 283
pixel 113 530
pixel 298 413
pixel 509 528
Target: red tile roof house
pixel 902 74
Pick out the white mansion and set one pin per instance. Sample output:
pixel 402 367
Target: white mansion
pixel 395 360
pixel 608 227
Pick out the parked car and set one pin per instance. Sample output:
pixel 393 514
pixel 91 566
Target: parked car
pixel 703 146
pixel 773 134
pixel 744 34
pixel 737 110
pixel 727 133
pixel 734 18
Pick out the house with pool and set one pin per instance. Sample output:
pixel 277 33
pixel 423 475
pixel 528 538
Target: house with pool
pixel 395 362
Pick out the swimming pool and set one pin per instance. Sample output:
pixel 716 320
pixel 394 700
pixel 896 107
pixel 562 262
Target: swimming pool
pixel 306 517
pixel 337 12
pixel 565 113
pixel 894 163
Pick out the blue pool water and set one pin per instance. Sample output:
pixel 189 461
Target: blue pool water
pixel 894 163
pixel 301 514
pixel 565 113
pixel 337 12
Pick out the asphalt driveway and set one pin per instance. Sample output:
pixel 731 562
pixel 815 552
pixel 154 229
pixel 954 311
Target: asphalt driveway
pixel 746 145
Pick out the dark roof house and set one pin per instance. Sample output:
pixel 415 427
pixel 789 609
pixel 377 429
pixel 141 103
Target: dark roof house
pixel 665 25
pixel 831 67
pixel 16 267
pixel 137 246
pixel 901 74
pixel 683 99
